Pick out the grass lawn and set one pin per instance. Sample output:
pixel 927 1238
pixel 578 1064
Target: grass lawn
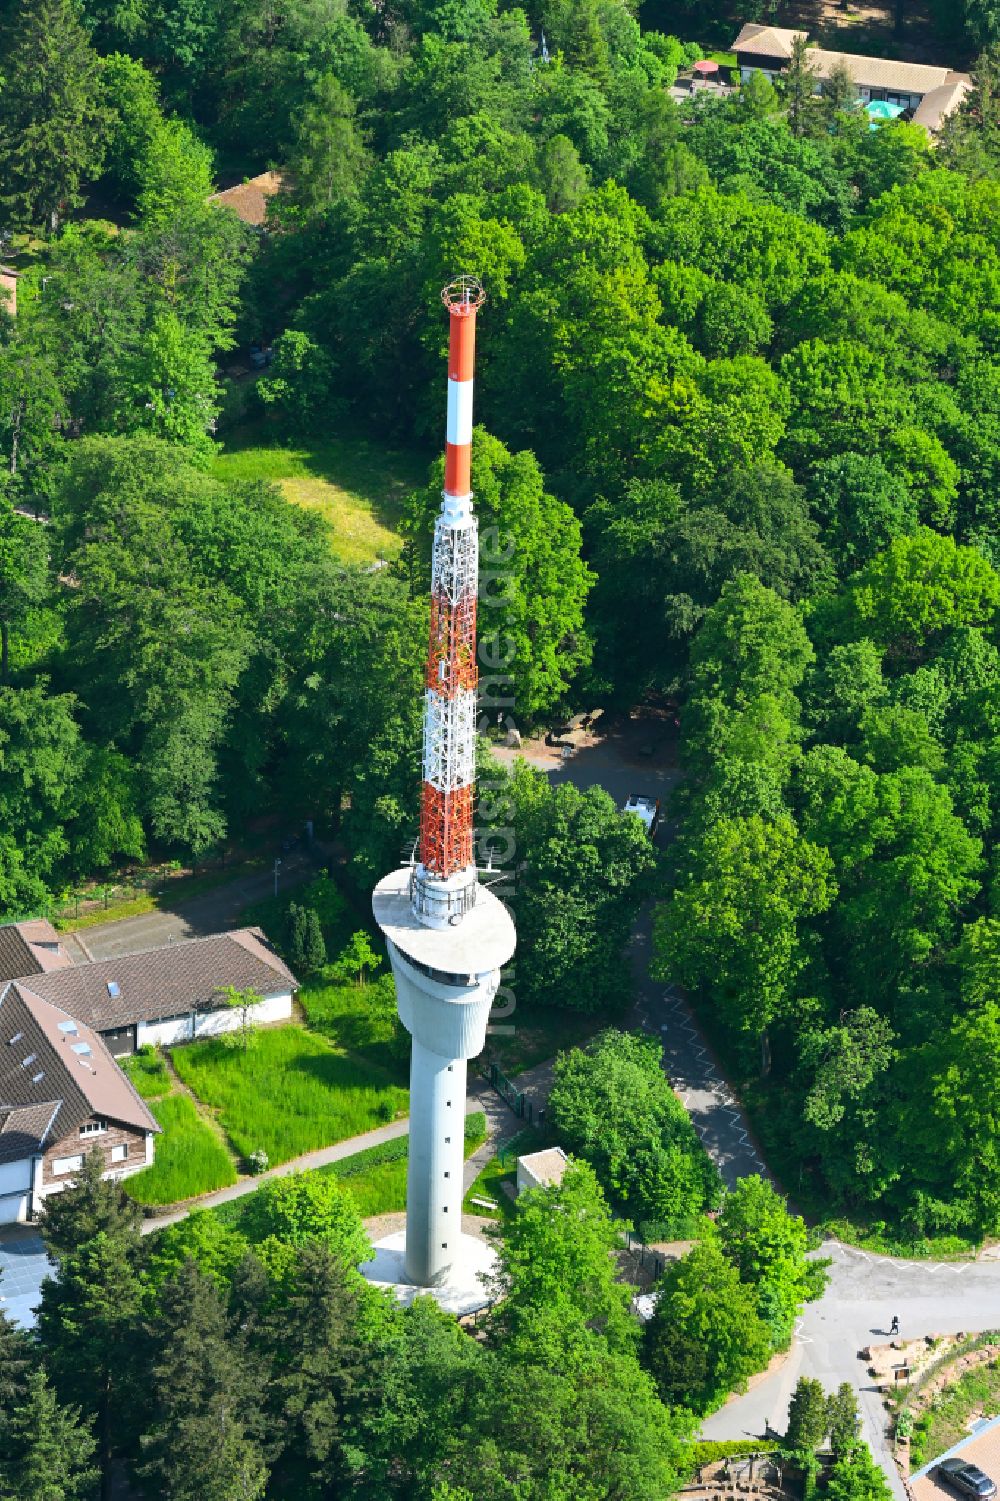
pixel 148 1073
pixel 377 1178
pixel 356 484
pixel 359 1019
pixel 292 1091
pixel 498 1171
pixel 190 1158
pixel 946 1421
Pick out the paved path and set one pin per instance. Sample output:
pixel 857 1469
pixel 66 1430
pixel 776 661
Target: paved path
pixel 716 1114
pixel 864 1292
pixel 212 912
pixel 640 757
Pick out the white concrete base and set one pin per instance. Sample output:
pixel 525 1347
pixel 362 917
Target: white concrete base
pixel 465 1290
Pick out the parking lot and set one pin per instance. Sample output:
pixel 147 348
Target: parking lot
pixel 23 1264
pixel 982 1449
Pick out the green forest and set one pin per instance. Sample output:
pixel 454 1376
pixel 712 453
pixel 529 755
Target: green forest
pixel 739 386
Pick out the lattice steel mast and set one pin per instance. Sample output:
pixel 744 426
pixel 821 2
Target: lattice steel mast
pixel 444 884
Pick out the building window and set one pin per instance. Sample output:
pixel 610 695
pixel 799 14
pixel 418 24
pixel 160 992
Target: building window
pixel 93 1128
pixel 120 1153
pixel 66 1165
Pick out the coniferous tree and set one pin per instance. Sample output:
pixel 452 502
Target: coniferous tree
pixel 306 948
pixel 295 930
pixel 843 1421
pixel 50 1451
pixel 88 1206
pixel 53 122
pixel 313 946
pixel 807 1417
pixel 201 1443
pixel 88 1327
pixel 798 84
pixel 17 1360
pixel 319 1362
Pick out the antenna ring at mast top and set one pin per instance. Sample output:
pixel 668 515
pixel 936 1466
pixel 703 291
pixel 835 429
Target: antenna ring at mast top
pixel 463 294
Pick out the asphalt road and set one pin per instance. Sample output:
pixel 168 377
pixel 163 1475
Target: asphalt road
pixel 856 1309
pixel 212 912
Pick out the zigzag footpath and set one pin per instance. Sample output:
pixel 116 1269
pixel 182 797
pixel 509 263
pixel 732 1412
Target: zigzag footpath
pixel 930 1297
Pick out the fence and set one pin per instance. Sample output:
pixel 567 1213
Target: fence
pixel 514 1097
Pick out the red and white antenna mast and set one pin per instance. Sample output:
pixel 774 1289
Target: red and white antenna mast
pixel 444 885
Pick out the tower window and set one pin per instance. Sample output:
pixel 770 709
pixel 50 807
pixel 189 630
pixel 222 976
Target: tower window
pixel 447 1175
pixel 447 1141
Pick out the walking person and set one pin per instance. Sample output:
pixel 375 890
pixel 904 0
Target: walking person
pixel 894 1326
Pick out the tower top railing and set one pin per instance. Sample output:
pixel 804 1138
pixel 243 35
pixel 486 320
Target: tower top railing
pixel 463 295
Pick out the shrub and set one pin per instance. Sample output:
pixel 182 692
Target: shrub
pixel 304 940
pixel 216 1248
pixel 308 1206
pixel 612 1105
pixel 707 1451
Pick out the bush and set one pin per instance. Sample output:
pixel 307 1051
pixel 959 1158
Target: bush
pixel 216 1248
pixel 258 1162
pixel 304 943
pixel 707 1451
pixel 612 1105
pixel 307 1206
pixel 705 1338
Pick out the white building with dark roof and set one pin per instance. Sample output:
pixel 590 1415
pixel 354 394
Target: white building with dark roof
pixel 163 996
pixel 62 1025
pixel 61 1095
pixel 929 91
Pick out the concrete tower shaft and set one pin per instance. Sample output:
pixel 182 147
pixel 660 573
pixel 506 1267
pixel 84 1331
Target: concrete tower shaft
pixel 446 980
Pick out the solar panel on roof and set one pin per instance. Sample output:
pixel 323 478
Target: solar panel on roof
pixel 81 1048
pixel 69 1026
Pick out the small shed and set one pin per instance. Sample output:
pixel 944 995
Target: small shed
pixel 541 1169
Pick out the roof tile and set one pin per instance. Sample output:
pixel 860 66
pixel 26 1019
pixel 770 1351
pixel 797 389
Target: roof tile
pixel 169 981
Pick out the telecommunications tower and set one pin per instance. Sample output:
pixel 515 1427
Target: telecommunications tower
pixel 448 937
